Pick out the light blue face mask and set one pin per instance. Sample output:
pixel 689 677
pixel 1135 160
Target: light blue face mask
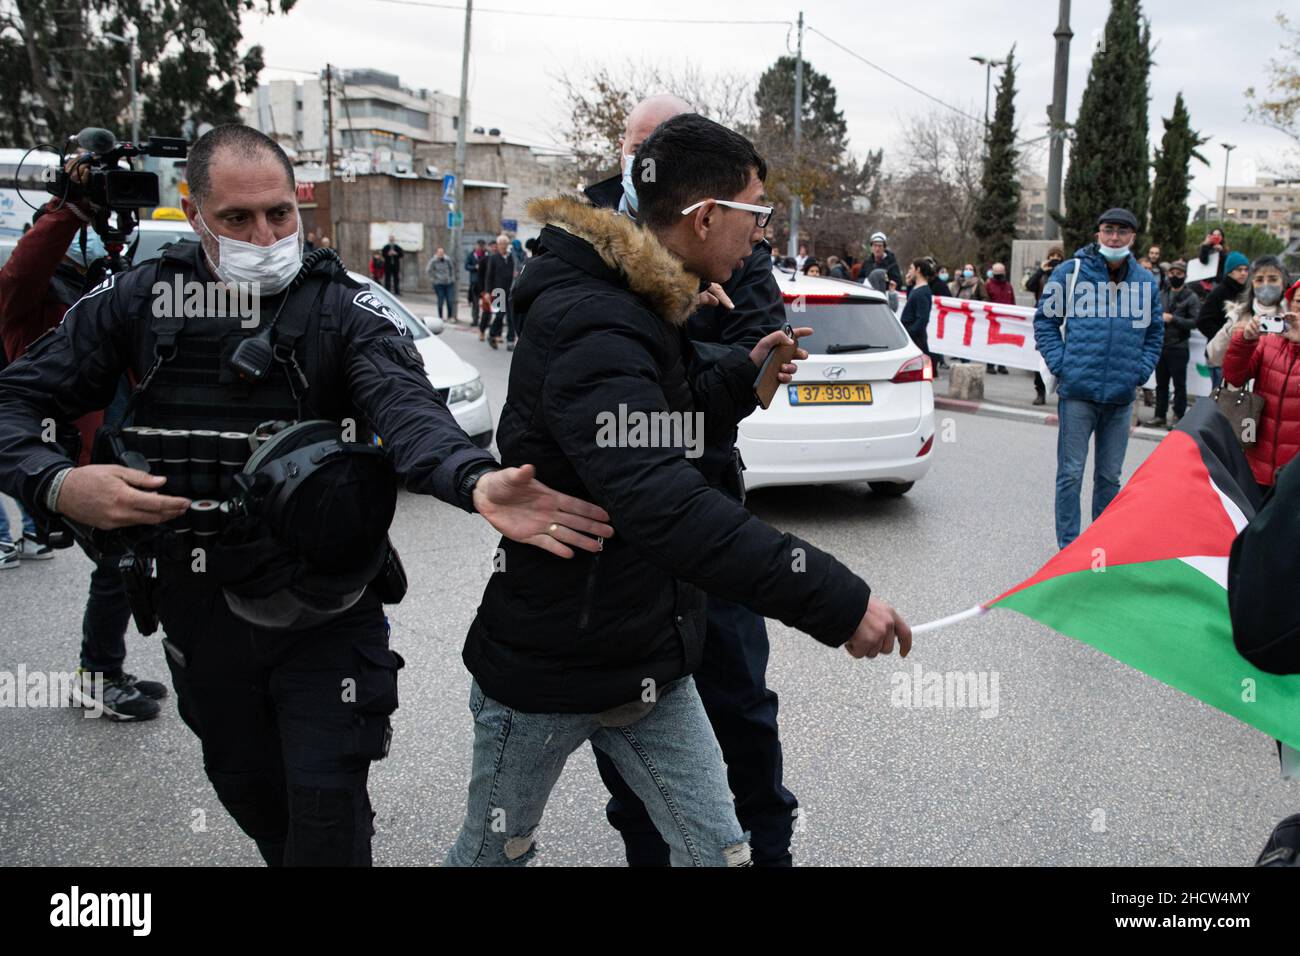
pixel 967 273
pixel 629 186
pixel 94 248
pixel 1113 255
pixel 943 277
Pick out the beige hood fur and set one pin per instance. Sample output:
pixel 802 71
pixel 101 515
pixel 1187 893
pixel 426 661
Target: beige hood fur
pixel 652 272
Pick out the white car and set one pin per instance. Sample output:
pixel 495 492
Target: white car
pixel 860 408
pixel 455 379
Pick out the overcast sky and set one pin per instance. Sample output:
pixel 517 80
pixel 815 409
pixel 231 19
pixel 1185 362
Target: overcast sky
pixel 1211 51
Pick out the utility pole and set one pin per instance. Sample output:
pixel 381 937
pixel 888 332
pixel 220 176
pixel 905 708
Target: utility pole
pixel 792 247
pixel 462 122
pixel 1223 204
pixel 1056 122
pixel 329 125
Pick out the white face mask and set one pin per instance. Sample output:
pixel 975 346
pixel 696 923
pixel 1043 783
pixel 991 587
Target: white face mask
pixel 273 267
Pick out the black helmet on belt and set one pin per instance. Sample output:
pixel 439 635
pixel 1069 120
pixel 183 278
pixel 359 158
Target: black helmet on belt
pixel 326 504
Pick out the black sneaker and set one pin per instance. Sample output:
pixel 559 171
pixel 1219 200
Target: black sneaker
pixel 118 697
pixel 150 688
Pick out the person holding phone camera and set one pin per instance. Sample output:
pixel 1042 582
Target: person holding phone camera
pixel 1266 348
pixel 603 650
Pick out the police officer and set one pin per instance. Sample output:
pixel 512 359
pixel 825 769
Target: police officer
pixel 732 680
pixel 289 719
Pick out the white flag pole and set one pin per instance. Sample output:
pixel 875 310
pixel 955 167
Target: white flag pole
pixel 977 611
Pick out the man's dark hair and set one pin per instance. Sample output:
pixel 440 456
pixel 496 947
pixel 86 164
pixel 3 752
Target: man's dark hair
pixel 686 159
pixel 244 141
pixel 924 266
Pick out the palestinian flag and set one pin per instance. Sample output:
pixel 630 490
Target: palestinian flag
pixel 1147 582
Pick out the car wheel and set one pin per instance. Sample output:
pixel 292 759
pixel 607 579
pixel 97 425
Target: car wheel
pixel 891 489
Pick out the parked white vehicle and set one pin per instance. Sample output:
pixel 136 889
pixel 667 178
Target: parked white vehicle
pixel 453 377
pixel 860 408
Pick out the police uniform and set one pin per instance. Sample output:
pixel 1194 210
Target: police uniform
pixel 289 720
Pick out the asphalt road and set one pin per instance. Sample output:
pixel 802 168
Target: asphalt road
pixel 1084 762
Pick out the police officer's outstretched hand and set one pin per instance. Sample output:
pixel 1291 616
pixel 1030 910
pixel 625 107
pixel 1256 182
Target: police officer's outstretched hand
pixel 110 496
pixel 523 509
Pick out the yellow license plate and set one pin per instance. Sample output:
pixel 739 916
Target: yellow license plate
pixel 842 393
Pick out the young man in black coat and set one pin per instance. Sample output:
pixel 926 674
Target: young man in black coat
pixel 610 395
pixel 732 680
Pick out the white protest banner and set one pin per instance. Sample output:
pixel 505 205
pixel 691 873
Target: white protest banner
pixel 984 332
pixel 410 235
pixel 1197 270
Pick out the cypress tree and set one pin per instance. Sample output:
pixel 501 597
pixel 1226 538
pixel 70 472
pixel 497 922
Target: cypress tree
pixel 1169 195
pixel 999 204
pixel 1109 161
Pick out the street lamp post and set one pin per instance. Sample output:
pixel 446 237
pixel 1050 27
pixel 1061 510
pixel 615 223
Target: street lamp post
pixel 135 109
pixel 1227 156
pixel 989 64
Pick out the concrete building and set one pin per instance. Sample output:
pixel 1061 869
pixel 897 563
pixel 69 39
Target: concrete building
pixel 1271 204
pixel 1032 221
pixel 527 172
pixel 378 123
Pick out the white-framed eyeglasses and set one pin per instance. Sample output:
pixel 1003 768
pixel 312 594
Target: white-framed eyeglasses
pixel 762 214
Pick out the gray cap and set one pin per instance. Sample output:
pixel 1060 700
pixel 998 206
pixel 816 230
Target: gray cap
pixel 1118 216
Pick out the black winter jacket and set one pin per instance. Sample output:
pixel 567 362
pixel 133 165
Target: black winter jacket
pixel 1185 306
pixel 606 308
pixel 1214 310
pixel 889 263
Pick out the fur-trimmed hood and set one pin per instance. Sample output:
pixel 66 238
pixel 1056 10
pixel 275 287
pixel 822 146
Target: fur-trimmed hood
pixel 650 270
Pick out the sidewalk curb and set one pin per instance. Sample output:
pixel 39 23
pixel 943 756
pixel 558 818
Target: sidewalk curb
pixel 989 410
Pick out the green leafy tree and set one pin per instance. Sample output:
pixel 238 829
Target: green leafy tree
pixel 1169 194
pixel 1109 159
pixel 59 72
pixel 836 191
pixel 999 203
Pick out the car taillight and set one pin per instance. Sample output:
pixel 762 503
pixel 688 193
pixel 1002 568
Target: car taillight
pixel 836 298
pixel 925 449
pixel 918 369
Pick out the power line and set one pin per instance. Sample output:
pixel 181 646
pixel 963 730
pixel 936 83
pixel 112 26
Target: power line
pixel 582 16
pixel 893 76
pixel 911 86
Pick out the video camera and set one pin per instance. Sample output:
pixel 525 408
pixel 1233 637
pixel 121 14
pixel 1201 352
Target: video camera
pixel 116 191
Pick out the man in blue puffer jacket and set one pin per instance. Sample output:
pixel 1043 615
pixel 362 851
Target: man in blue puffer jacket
pixel 1112 346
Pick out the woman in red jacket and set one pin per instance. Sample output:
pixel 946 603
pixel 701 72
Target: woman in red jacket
pixel 1273 361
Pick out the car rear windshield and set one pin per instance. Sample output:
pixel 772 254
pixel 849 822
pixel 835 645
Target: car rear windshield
pixel 846 324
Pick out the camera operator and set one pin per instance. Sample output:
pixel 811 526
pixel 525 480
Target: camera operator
pixel 275 632
pixel 52 265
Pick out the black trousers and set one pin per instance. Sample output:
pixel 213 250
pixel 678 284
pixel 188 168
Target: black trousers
pixel 1172 366
pixel 103 625
pixel 732 684
pixel 289 721
pixel 393 280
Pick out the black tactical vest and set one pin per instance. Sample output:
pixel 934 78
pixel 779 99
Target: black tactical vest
pixel 195 386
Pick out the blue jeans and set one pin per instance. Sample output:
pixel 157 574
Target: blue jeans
pixel 29 526
pixel 1080 419
pixel 742 709
pixel 668 756
pixel 443 289
pixel 1216 376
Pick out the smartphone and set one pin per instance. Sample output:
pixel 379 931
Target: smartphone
pixel 768 375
